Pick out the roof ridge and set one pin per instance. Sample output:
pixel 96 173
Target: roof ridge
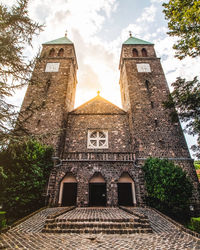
pixel 97 97
pixel 135 40
pixel 61 40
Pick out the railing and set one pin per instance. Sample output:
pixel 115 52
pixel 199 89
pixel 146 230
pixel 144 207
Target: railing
pixel 99 156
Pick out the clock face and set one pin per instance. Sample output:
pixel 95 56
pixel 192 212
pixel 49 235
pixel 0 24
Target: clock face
pixel 143 67
pixel 52 67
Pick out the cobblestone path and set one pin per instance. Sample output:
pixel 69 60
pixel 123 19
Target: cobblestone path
pixel 35 223
pixel 28 235
pixel 157 222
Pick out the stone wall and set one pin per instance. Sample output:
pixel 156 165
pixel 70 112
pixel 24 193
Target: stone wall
pixel 50 95
pixel 83 172
pixel 153 132
pixel 116 125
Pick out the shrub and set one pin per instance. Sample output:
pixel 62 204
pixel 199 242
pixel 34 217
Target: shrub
pixel 168 187
pixel 2 219
pixel 25 169
pixel 195 224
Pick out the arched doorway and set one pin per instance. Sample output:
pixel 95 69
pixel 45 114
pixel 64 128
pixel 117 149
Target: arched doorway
pixel 97 191
pixel 68 191
pixel 126 190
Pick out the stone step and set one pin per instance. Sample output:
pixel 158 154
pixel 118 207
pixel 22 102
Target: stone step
pixel 97 231
pixel 135 220
pixel 79 225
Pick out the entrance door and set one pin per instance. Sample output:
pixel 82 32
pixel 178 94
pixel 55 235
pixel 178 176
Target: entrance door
pixel 69 194
pixel 97 194
pixel 125 196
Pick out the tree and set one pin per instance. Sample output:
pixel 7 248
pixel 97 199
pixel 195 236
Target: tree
pixel 186 98
pixel 24 173
pixel 184 22
pixel 16 33
pixel 168 187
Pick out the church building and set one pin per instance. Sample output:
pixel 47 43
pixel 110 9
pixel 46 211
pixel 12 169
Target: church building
pixel 99 147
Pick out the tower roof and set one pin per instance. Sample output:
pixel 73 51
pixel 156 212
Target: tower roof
pixel 133 40
pixel 62 40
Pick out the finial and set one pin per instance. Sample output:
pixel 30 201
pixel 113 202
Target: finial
pixel 98 92
pixel 65 33
pixel 130 33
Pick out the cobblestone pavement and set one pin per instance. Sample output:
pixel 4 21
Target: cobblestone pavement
pixel 179 241
pixel 96 214
pixel 28 235
pixel 157 222
pixel 35 223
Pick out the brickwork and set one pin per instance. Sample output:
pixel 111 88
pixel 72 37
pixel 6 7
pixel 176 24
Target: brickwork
pixel 50 95
pixel 83 172
pixel 98 114
pixel 165 237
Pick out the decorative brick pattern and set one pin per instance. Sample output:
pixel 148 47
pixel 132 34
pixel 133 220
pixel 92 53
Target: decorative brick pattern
pixel 25 239
pixel 98 220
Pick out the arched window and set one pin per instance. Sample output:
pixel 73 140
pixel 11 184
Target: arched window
pixel 61 52
pixel 135 53
pixel 144 52
pixel 52 52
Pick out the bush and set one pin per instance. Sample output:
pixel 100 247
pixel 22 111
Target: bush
pixel 195 224
pixel 168 187
pixel 2 219
pixel 25 169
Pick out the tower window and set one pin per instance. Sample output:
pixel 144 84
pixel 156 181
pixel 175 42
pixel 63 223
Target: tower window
pixel 48 83
pixel 52 52
pixel 152 105
pixel 97 139
pixel 135 53
pixel 61 52
pixel 144 52
pixel 147 85
pixel 156 122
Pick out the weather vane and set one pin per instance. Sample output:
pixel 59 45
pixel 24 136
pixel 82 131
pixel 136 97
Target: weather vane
pixel 66 33
pixel 130 33
pixel 98 92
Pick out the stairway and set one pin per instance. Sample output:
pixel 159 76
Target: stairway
pixel 98 220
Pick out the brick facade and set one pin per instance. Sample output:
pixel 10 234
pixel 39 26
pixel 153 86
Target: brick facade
pixel 141 129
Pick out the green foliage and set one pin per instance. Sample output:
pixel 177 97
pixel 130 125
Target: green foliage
pixel 195 224
pixel 168 187
pixel 16 32
pixel 186 98
pixel 197 164
pixel 26 169
pixel 184 22
pixel 2 219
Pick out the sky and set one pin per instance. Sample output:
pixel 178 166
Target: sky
pixel 98 28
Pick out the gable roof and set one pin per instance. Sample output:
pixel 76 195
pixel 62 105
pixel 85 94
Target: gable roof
pixel 62 40
pixel 98 105
pixel 133 41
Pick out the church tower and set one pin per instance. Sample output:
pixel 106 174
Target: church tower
pixel 51 92
pixel 143 91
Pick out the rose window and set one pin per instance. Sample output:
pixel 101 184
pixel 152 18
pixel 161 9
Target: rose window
pixel 97 139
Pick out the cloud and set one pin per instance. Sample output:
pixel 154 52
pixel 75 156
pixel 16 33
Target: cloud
pixel 148 15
